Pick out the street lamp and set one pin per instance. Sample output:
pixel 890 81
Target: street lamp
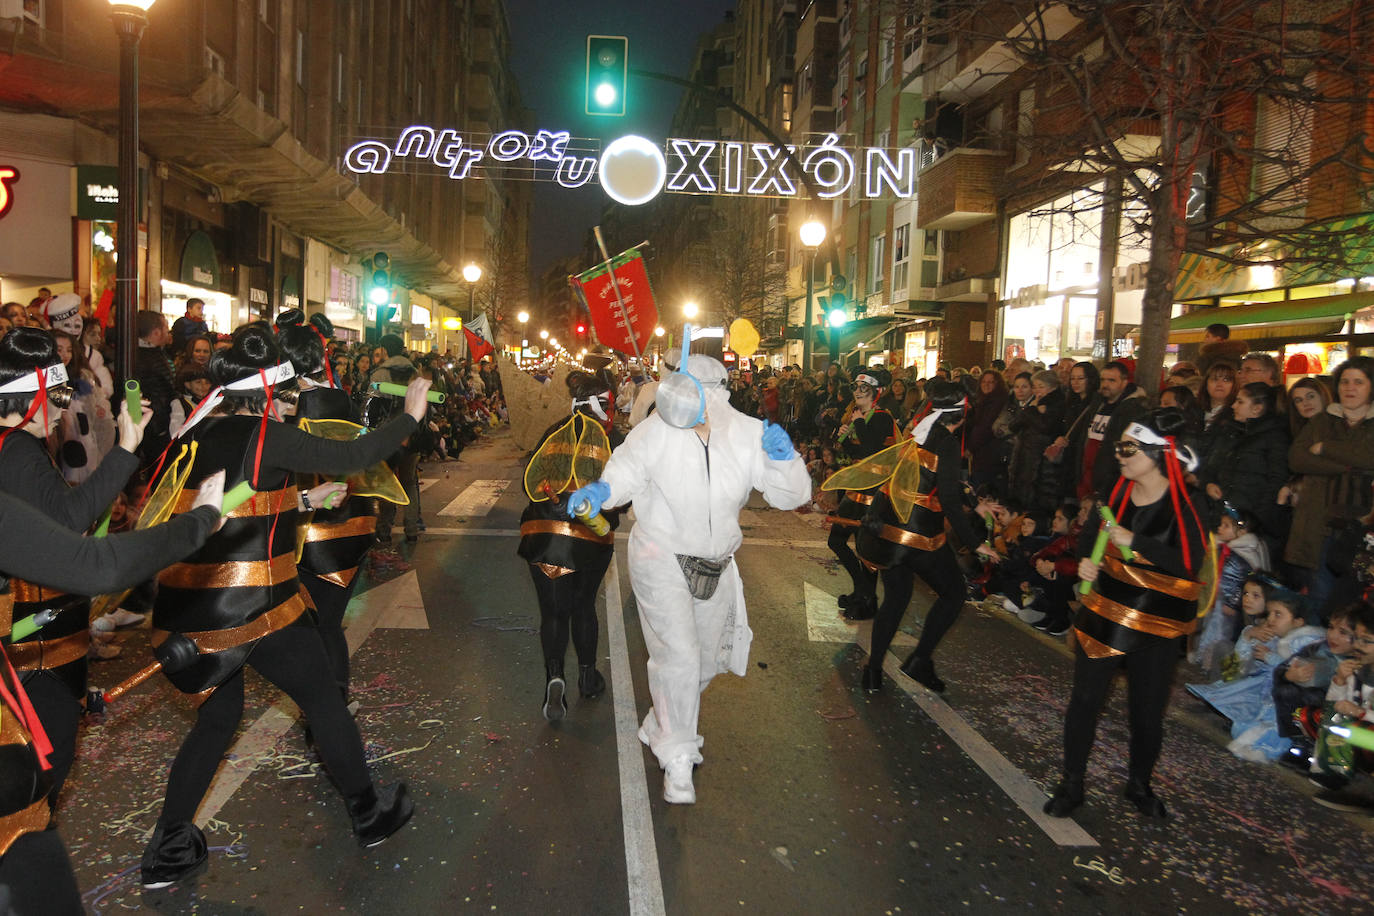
pixel 543 335
pixel 471 273
pixel 689 309
pixel 129 18
pixel 523 317
pixel 812 234
pixel 658 334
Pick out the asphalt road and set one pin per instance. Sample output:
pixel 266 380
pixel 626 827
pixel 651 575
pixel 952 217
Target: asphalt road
pixel 813 797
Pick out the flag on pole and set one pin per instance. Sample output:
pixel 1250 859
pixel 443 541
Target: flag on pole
pixel 482 328
pixel 477 347
pixel 617 330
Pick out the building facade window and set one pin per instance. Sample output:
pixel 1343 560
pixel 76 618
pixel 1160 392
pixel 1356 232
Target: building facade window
pixel 901 260
pixel 876 265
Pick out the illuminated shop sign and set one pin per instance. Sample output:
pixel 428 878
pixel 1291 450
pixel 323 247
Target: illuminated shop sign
pixel 9 175
pixel 633 170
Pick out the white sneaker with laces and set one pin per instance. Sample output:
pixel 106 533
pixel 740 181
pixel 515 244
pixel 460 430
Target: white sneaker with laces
pixel 677 782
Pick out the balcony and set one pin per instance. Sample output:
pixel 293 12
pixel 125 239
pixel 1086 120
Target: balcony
pixel 969 289
pixel 972 68
pixel 959 189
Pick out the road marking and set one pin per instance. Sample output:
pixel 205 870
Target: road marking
pixel 645 885
pixel 394 604
pixel 825 624
pixel 477 498
pixel 1063 831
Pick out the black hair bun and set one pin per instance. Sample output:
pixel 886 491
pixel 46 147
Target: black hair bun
pixel 1167 421
pixel 944 395
pixel 322 324
pixel 252 347
pixel 290 318
pixel 584 384
pixel 25 349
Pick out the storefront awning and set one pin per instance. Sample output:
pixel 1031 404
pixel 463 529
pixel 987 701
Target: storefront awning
pixel 1267 320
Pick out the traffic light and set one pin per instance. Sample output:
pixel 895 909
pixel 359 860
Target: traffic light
pixel 607 72
pixel 379 285
pixel 581 328
pixel 836 316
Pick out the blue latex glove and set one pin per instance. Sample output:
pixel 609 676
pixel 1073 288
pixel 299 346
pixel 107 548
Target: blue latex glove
pixel 776 443
pixel 595 493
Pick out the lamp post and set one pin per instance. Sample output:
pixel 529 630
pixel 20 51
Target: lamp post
pixel 812 234
pixel 129 18
pixel 658 339
pixel 472 273
pixel 690 310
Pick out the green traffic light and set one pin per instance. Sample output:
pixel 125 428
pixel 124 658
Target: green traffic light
pixel 605 95
pixel 378 295
pixel 607 71
pixel 837 318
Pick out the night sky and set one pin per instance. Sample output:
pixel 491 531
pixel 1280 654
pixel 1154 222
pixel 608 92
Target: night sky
pixel 548 54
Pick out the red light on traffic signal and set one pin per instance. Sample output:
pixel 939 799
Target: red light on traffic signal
pixel 581 329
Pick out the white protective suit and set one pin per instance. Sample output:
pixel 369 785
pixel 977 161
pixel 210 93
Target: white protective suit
pixel 685 504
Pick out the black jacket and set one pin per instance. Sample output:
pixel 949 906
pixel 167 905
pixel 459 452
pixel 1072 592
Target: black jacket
pixel 1249 461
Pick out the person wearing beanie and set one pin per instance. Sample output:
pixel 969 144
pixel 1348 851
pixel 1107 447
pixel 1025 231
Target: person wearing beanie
pixel 398 369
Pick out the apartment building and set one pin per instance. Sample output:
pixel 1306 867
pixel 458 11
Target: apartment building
pixel 246 110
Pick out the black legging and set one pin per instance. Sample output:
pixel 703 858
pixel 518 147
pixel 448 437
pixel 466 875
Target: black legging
pixel 60 714
pixel 940 570
pixel 569 602
pixel 331 602
pixel 1149 678
pixel 865 582
pixel 294 660
pixel 36 877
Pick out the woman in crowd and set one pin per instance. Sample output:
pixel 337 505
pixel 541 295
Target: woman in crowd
pixel 567 559
pixel 196 353
pixel 1034 479
pixel 1185 400
pixel 256 616
pixel 1335 454
pixel 987 452
pixel 87 432
pixel 1248 461
pixel 1137 609
pixel 1080 404
pixel 1218 391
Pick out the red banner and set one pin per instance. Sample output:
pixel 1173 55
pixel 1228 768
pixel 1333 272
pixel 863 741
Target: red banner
pixel 477 347
pixel 636 325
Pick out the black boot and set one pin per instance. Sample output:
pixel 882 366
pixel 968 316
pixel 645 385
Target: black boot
pixel 555 703
pixel 863 607
pixel 590 683
pixel 1139 793
pixel 174 853
pixel 845 601
pixel 377 815
pixel 922 670
pixel 1067 797
pixel 872 679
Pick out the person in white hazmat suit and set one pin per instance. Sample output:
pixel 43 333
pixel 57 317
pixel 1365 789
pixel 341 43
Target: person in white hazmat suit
pixel 689 468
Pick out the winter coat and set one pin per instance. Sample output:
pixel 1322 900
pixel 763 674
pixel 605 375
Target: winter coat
pixel 1032 478
pixel 1249 462
pixel 1336 485
pixel 987 453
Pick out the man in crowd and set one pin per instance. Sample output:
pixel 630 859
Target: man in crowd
pixel 1217 344
pixel 1259 367
pixel 154 375
pixel 1122 403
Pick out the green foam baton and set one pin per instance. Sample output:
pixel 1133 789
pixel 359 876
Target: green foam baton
pixel 1100 546
pixel 133 396
pixel 237 495
pixel 399 391
pixel 1356 735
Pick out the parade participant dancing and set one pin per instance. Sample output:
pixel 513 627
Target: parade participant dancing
pixel 689 468
pixel 340 528
pixel 1138 608
pixel 866 430
pixel 903 532
pixel 34 391
pixel 238 600
pixel 567 559
pixel 35 873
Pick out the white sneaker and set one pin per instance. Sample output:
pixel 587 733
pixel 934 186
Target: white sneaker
pixel 123 618
pixel 1031 615
pixel 1011 607
pixel 677 781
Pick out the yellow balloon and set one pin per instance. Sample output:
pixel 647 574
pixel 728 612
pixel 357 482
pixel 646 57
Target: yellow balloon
pixel 744 338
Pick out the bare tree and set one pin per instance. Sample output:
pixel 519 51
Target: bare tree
pixel 1232 129
pixel 745 276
